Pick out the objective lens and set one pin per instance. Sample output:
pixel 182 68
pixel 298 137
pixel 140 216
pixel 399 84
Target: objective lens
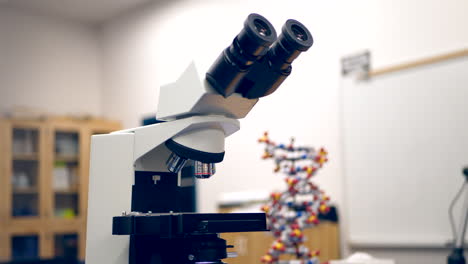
pixel 204 170
pixel 175 163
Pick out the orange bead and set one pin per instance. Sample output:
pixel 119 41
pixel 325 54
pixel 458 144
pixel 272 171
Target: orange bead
pixel 321 159
pixel 323 152
pixel 266 155
pixel 311 219
pixel 296 233
pixel 267 259
pixel 277 168
pixel 293 181
pixel 279 246
pixel 324 208
pixel 276 196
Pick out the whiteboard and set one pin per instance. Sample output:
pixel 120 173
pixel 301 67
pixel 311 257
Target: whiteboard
pixel 405 142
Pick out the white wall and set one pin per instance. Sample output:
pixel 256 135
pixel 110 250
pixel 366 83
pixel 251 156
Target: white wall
pixel 153 45
pixel 48 64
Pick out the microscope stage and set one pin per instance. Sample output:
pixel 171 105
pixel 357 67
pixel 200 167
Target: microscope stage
pixel 171 225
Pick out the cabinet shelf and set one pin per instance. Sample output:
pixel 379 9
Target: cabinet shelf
pixel 25 221
pixel 26 157
pixel 66 158
pixel 71 190
pixel 27 190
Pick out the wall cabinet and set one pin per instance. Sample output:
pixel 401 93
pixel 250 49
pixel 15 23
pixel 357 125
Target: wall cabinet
pixel 44 186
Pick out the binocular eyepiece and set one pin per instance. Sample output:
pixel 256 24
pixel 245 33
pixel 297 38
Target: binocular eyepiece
pixel 257 61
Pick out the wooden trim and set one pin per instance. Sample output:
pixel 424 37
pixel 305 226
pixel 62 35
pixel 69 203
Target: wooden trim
pixel 4 186
pixel 42 174
pixel 82 154
pixel 418 63
pixel 82 244
pixel 46 244
pixel 8 136
pixel 83 169
pixel 64 226
pixel 48 174
pixel 5 245
pixel 25 225
pixel 83 172
pixel 3 181
pixel 25 124
pixel 324 240
pixel 47 181
pixel 26 228
pixel 334 235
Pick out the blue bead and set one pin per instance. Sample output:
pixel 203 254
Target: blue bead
pixel 281 146
pixel 304 156
pixel 299 214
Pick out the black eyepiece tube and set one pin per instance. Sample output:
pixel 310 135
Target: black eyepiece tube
pixel 267 75
pixel 250 45
pixel 294 39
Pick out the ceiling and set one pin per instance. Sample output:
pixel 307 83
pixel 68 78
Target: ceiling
pixel 86 11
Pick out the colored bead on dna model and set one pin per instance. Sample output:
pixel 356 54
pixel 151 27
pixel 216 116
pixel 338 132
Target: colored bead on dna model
pixel 297 208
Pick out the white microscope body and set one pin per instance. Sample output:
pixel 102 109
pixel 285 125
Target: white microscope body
pixel 198 114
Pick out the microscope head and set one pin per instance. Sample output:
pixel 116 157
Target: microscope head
pixel 253 66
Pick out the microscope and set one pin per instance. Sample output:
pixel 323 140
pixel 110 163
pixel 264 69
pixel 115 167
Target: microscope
pixel 138 171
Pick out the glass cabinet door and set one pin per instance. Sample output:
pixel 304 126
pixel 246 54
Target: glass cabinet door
pixel 24 247
pixel 65 174
pixel 66 246
pixel 25 172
